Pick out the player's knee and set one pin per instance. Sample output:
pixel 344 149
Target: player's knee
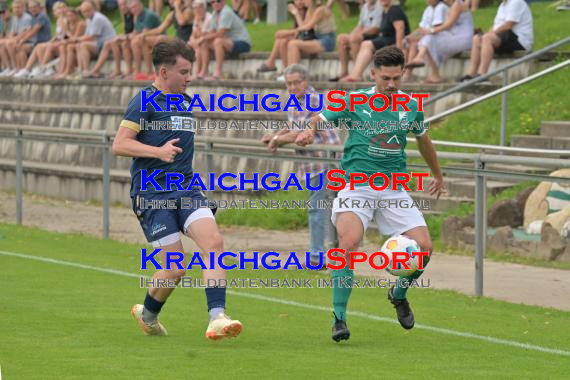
pixel 349 240
pixel 177 273
pixel 425 244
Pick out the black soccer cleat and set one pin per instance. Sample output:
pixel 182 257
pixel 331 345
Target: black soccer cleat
pixel 340 330
pixel 403 310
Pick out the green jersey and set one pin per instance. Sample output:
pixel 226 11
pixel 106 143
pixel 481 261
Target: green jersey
pixel 376 140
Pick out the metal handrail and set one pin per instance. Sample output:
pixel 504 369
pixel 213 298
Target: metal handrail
pixel 503 90
pixel 67 132
pixel 498 70
pixel 499 91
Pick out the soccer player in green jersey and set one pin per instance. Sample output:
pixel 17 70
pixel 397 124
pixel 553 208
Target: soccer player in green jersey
pixel 378 149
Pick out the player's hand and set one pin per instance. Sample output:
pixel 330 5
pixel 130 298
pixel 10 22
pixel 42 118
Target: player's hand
pixel 437 187
pixel 304 138
pixel 168 151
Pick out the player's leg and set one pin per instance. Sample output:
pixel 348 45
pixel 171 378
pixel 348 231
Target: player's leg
pixel 160 227
pixel 147 313
pixel 201 227
pixel 400 218
pixel 350 224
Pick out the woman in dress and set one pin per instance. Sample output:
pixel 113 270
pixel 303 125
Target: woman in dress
pixel 446 40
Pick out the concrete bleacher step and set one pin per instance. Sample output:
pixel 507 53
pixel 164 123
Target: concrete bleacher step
pixel 119 93
pixel 541 142
pixel 324 66
pixel 555 128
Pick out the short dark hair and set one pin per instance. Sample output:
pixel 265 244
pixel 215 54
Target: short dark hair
pixel 389 56
pixel 165 52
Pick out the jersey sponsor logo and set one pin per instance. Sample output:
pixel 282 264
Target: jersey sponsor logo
pixel 157 227
pixel 367 112
pixel 384 145
pixel 180 123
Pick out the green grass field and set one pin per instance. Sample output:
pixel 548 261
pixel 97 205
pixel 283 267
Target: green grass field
pixel 62 321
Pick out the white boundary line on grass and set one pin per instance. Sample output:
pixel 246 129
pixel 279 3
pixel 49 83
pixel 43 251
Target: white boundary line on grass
pixel 440 330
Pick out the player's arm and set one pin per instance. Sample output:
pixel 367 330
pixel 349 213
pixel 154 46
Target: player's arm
pixel 126 144
pixel 427 150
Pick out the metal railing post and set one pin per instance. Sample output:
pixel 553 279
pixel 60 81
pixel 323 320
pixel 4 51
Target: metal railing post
pixel 480 224
pixel 504 109
pixel 106 185
pixel 209 165
pixel 19 174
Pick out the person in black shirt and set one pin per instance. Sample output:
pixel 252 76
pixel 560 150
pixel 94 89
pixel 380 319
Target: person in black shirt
pixel 394 28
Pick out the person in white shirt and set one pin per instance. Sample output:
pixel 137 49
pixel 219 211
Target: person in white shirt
pixel 434 15
pixel 368 28
pixel 512 31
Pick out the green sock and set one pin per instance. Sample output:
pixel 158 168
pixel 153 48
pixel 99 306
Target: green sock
pixel 342 287
pixel 400 291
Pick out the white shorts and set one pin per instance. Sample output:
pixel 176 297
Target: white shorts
pixel 200 213
pixel 391 209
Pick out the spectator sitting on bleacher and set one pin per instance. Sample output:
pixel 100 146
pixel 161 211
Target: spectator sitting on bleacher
pixel 181 16
pixel 201 22
pixel 39 32
pixel 283 36
pixel 114 45
pixel 368 28
pixel 75 27
pixel 316 35
pixel 227 34
pixel 145 20
pixel 434 15
pixel 46 51
pixel 394 28
pixel 4 20
pixel 446 40
pixel 512 31
pixel 19 24
pixel 83 48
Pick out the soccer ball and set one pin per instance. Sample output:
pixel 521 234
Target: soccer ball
pixel 401 243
